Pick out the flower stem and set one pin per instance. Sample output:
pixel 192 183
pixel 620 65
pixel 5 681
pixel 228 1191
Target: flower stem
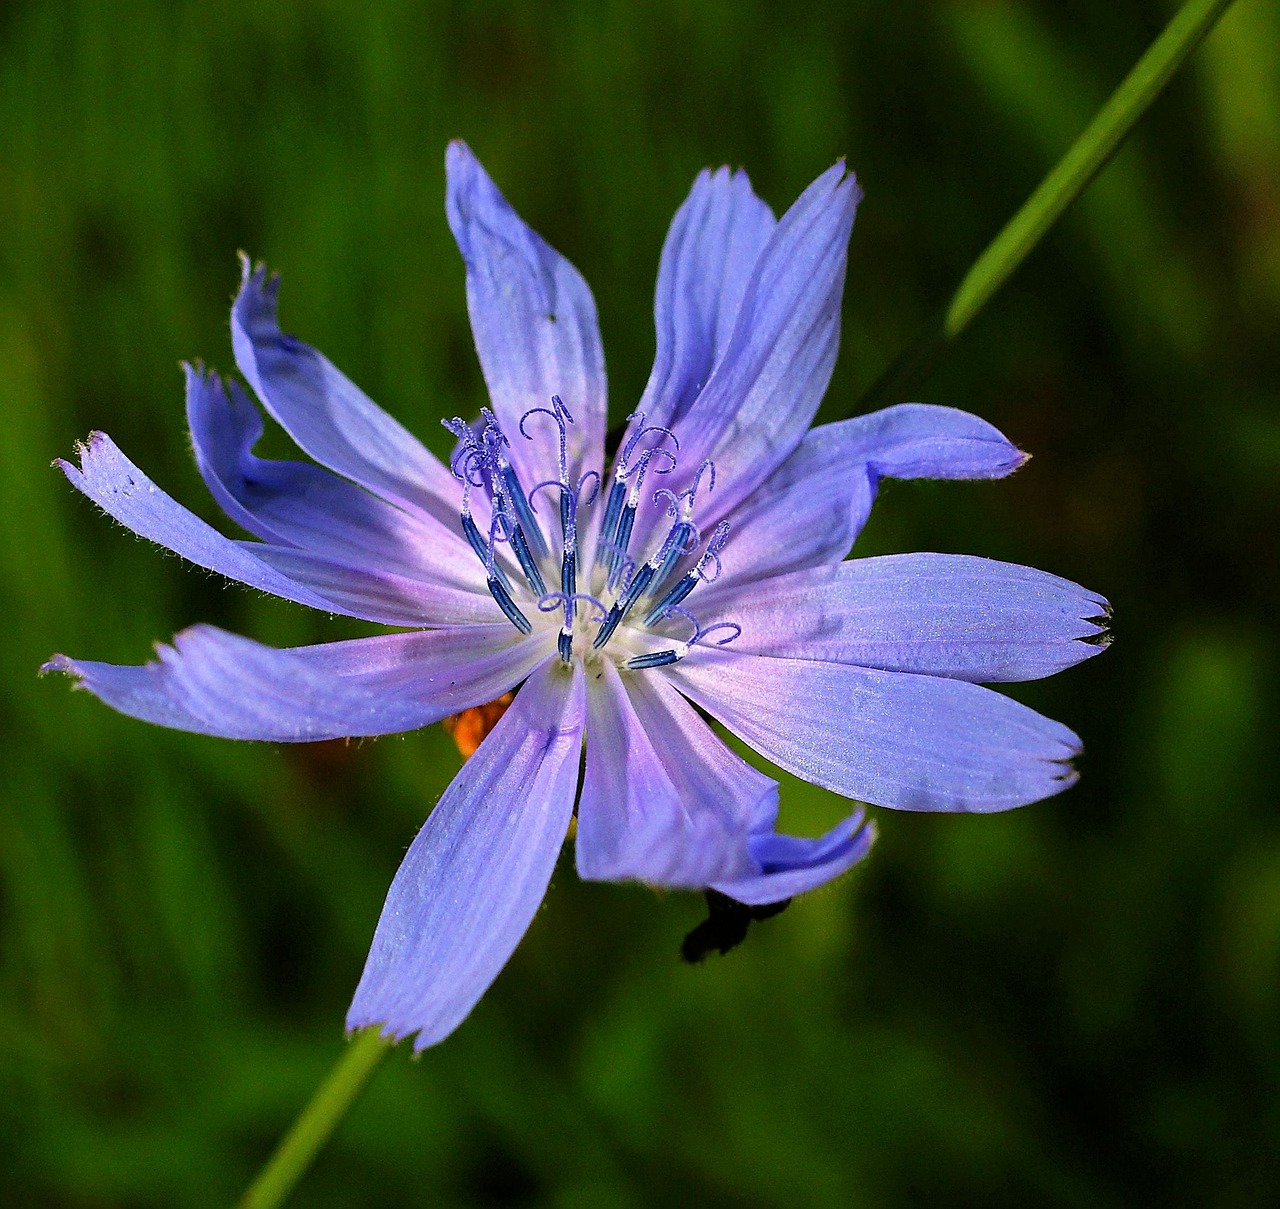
pixel 1068 179
pixel 318 1120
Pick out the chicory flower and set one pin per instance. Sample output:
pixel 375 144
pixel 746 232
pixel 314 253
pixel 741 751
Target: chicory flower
pixel 704 568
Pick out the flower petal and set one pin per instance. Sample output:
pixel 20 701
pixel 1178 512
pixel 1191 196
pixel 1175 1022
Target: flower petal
pixel 941 614
pixel 792 864
pixel 380 596
pixel 768 383
pixel 812 508
pixel 326 414
pixel 297 504
pixel 534 323
pixel 715 239
pixel 121 490
pixel 664 800
pixel 212 682
pixel 474 876
pixel 889 738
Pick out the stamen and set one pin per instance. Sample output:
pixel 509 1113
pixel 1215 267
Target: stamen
pixel 639 663
pixel 683 539
pixel 468 465
pixel 616 547
pixel 508 606
pixel 642 431
pixel 523 510
pixel 688 582
pixel 471 529
pixel 519 547
pixel 720 625
pixel 552 600
pixel 497 589
pixel 622 606
pixel 622 574
pixel 609 526
pixel 615 531
pixel 511 506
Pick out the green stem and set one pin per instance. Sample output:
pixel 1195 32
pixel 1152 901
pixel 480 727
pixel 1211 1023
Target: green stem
pixel 1069 178
pixel 318 1120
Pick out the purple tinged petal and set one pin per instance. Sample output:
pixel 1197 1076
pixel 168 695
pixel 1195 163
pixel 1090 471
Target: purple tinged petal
pixel 713 245
pixel 376 595
pixel 925 441
pixel 212 682
pixel 121 490
pixel 326 414
pixel 792 864
pixel 812 508
pixel 940 614
pixel 664 800
pixel 768 384
pixel 474 876
pixel 297 504
pixel 534 322
pixel 889 738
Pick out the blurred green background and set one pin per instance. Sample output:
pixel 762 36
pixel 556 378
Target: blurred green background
pixel 1074 1004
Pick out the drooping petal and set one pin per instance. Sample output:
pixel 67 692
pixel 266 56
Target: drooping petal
pixel 715 239
pixel 474 876
pixel 534 322
pixel 941 614
pixel 328 416
pixel 812 508
pixel 121 490
pixel 298 504
pixel 792 864
pixel 772 375
pixel 889 738
pixel 212 682
pixel 664 800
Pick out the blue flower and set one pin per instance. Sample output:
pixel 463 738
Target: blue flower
pixel 706 567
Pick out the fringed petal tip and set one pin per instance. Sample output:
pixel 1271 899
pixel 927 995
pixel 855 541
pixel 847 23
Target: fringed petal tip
pixel 254 275
pixel 1101 636
pixel 82 450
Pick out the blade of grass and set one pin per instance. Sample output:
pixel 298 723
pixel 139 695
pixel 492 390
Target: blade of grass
pixel 299 1147
pixel 1083 160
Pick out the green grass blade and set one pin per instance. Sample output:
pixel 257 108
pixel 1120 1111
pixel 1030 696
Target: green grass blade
pixel 1070 176
pixel 319 1119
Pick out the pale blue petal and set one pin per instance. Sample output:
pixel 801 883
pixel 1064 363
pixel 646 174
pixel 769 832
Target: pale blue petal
pixel 127 495
pixel 715 239
pixel 329 417
pixel 474 876
pixel 664 800
pixel 941 614
pixel 302 505
pixel 212 682
pixel 792 864
pixel 534 323
pixel 771 377
pixel 812 508
pixel 381 596
pixel 889 738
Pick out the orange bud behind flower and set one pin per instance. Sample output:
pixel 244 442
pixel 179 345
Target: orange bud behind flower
pixel 470 727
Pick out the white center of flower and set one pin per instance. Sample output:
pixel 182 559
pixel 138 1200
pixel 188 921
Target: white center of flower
pixel 633 611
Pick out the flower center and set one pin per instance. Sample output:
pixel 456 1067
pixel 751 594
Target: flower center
pixel 634 609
